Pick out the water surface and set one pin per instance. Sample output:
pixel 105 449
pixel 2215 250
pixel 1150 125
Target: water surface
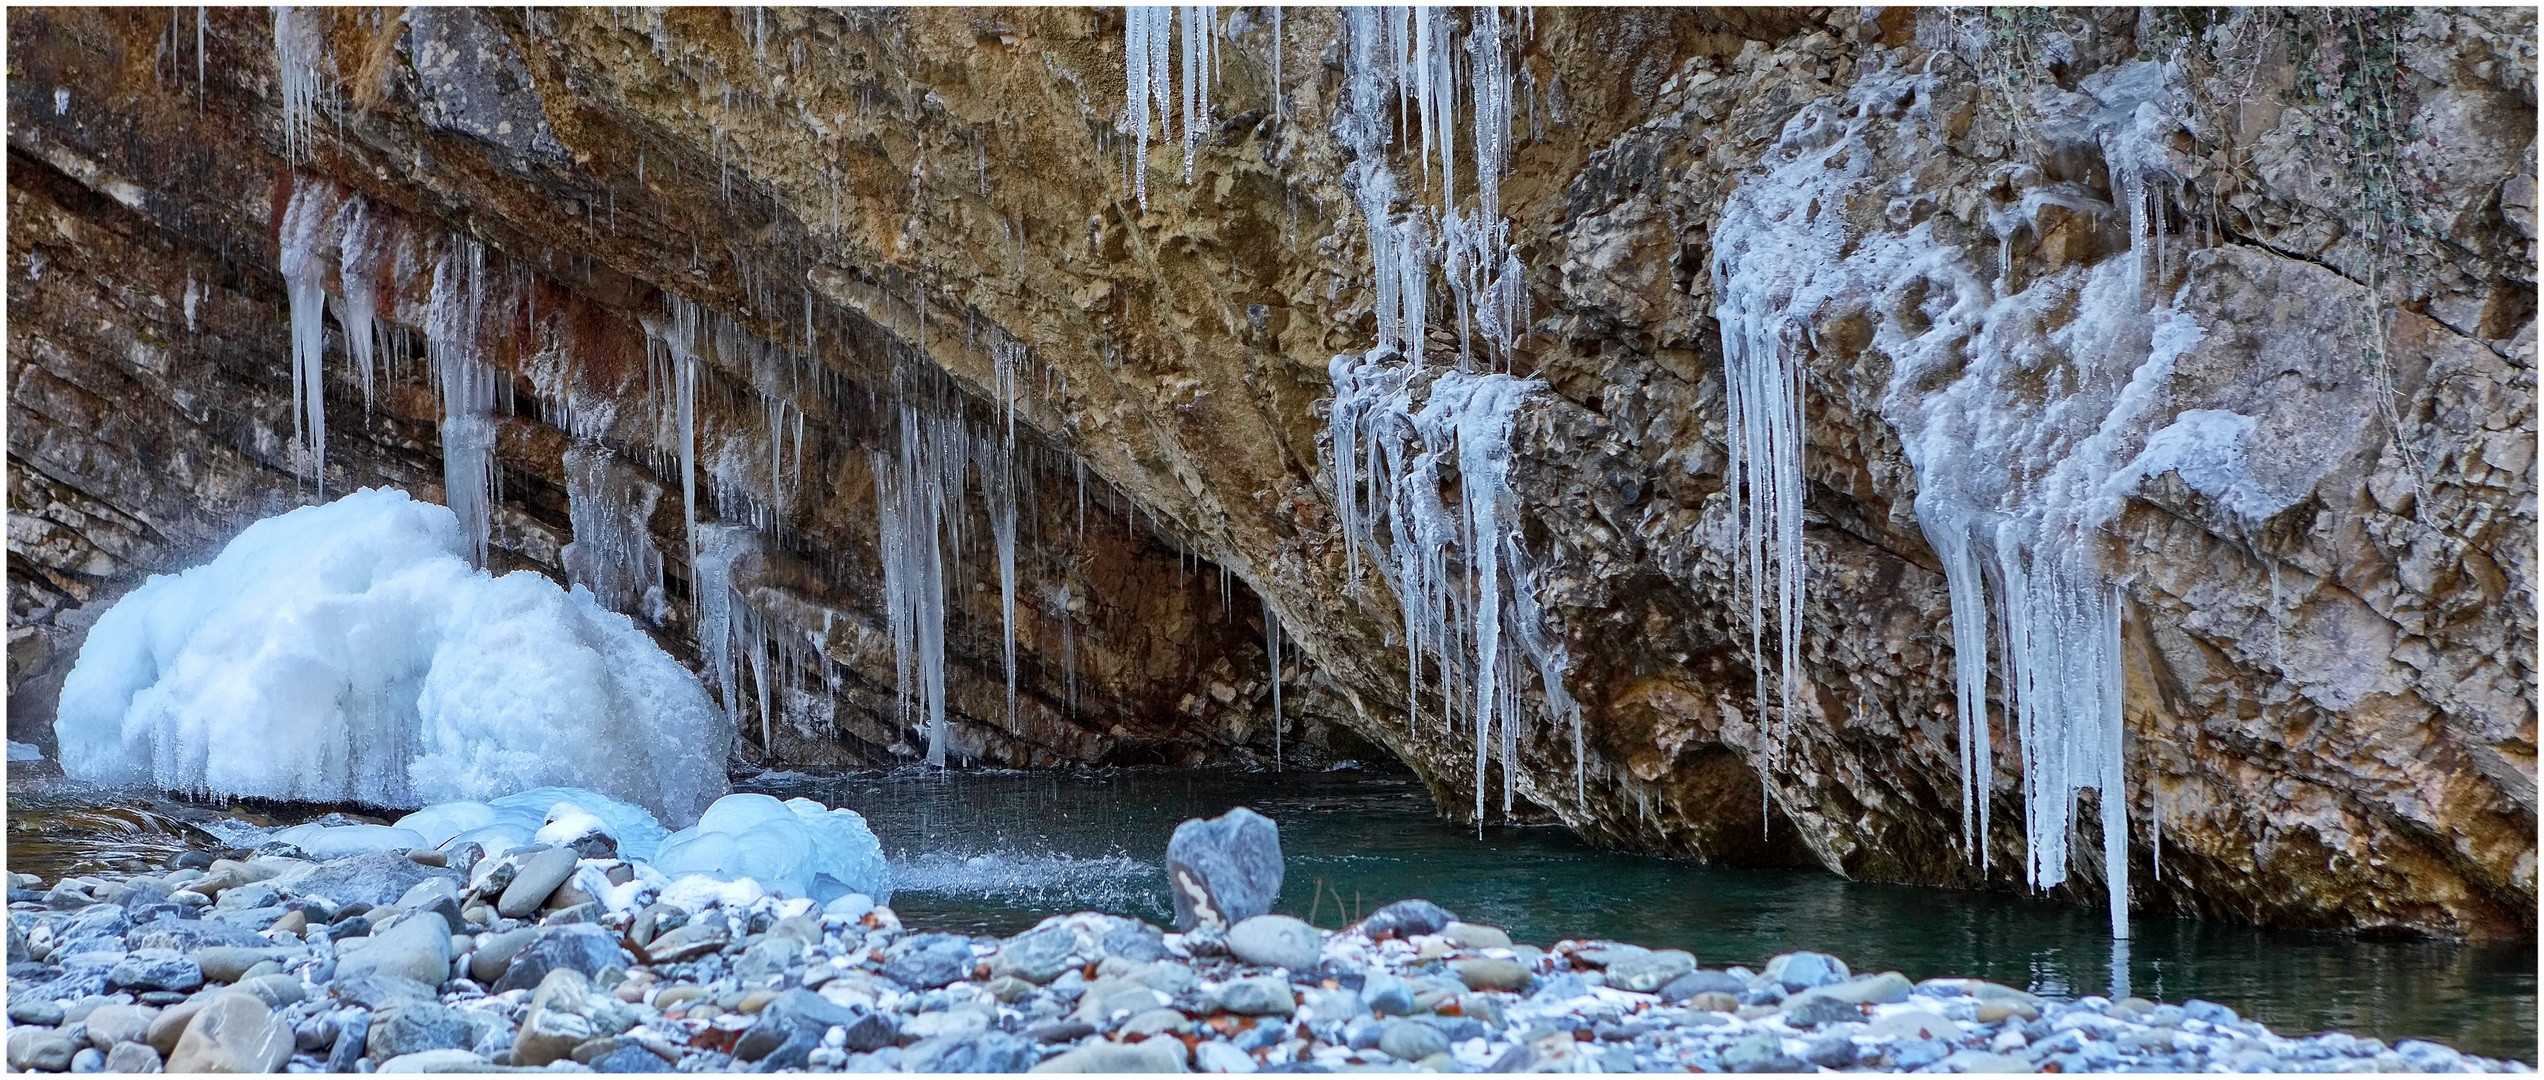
pixel 994 853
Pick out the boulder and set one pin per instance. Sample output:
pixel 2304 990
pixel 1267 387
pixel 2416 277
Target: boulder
pixel 1224 870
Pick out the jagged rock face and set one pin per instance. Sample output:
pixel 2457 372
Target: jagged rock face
pixel 2327 671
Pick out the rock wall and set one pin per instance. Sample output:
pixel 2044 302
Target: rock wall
pixel 2328 671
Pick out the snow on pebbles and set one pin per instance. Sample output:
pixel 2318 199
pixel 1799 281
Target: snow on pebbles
pixel 562 955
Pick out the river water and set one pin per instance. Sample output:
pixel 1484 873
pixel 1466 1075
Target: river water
pixel 994 853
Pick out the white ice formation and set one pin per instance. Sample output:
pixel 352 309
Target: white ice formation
pixel 348 652
pixel 518 819
pixel 1147 47
pixel 794 848
pixel 2028 408
pixel 1400 430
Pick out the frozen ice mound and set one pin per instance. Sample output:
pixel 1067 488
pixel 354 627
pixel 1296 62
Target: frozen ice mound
pixel 515 820
pixel 795 848
pixel 348 653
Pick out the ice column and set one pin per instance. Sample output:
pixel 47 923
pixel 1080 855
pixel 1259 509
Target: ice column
pixel 306 244
pixel 467 386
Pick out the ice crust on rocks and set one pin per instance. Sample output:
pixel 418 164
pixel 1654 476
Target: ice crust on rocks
pixel 348 652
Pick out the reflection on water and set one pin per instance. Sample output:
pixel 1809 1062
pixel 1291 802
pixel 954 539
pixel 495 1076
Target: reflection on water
pixel 994 853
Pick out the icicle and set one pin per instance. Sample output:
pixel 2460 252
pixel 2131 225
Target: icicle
pixel 1762 385
pixel 613 551
pixel 305 245
pixel 1277 105
pixel 358 310
pixel 299 37
pixel 1272 649
pixel 467 387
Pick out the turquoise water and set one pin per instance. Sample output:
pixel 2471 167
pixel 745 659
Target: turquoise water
pixel 994 853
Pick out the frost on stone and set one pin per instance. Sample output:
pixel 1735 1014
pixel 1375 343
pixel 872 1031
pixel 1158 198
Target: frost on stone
pixel 349 652
pixel 2029 406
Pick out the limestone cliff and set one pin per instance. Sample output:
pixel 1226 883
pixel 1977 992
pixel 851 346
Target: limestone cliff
pixel 883 223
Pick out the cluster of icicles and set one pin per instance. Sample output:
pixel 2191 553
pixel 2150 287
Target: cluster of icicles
pixel 1403 430
pixel 2017 469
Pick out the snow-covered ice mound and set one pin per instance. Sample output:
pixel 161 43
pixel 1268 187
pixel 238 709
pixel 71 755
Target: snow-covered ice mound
pixel 519 820
pixel 349 653
pixel 795 848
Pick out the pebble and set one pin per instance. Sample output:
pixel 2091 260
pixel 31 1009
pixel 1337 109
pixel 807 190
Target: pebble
pixel 1462 935
pixel 1276 941
pixel 534 880
pixel 111 1024
pixel 1259 996
pixel 132 1057
pixel 1489 974
pixel 417 947
pixel 44 1049
pixel 234 1033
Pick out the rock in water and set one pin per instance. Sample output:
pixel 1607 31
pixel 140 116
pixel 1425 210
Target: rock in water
pixel 1277 941
pixel 1224 870
pixel 234 1033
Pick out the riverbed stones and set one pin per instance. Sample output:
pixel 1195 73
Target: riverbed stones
pixel 535 877
pixel 1798 971
pixel 414 1027
pixel 494 954
pixel 1276 941
pixel 1463 935
pixel 132 1057
pixel 581 947
pixel 1406 918
pixel 1149 1056
pixel 558 1020
pixel 1411 1040
pixel 1262 995
pixel 360 881
pixel 1645 970
pixel 928 961
pixel 234 1033
pixel 417 947
pixel 1488 973
pixel 154 969
pixel 41 1049
pixel 1037 956
pixel 1224 870
pixel 110 1024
